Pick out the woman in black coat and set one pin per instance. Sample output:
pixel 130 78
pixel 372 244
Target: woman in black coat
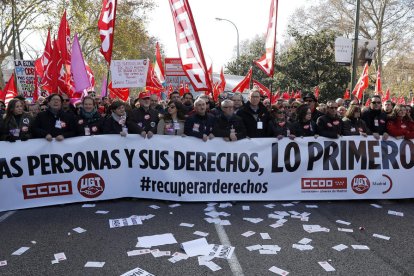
pixel 16 123
pixel 89 121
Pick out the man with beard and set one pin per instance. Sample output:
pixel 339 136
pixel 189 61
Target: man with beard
pixel 228 125
pixel 201 123
pixel 143 120
pixel 375 119
pixel 188 102
pixel 330 125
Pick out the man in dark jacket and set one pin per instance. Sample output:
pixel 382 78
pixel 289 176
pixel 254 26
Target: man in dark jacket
pixel 143 120
pixel 311 100
pixel 201 123
pixel 228 125
pixel 54 123
pixel 330 125
pixel 375 119
pixel 255 116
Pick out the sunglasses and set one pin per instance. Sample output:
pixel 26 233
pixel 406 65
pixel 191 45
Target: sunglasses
pixel 332 107
pixel 66 100
pixel 376 102
pixel 171 106
pixel 227 106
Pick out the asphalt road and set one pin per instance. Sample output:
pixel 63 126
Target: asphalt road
pixel 48 231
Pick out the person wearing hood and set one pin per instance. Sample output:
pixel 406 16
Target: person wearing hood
pixel 54 123
pixel 375 119
pixel 228 125
pixel 89 121
pixel 255 116
pixel 352 124
pixel 15 123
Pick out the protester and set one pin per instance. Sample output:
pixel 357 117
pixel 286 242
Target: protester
pixel 154 104
pixel 188 102
pixel 237 99
pixel 175 96
pixel 228 125
pixel 217 111
pixel 304 125
pixel 387 107
pixel 341 110
pixel 172 122
pixel 201 123
pixel 330 125
pixel 67 107
pixel 255 116
pixel 143 120
pixel 311 100
pixel 16 122
pixel 116 122
pixel 2 107
pixel 89 121
pixel 267 104
pixel 34 109
pixel 352 124
pixel 340 102
pixel 375 119
pixel 279 127
pixel 54 123
pixel 293 114
pixel 400 124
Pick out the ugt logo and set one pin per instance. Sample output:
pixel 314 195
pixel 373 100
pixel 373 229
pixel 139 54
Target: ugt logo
pixel 91 185
pixel 360 184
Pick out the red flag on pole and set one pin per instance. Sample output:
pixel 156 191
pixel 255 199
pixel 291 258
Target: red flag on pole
pixel 368 102
pixel 347 94
pixel 275 97
pixel 245 83
pixel 63 39
pixel 189 45
pixel 387 95
pixel 158 67
pixel 222 80
pixel 153 84
pixel 106 26
pixel 262 89
pixel 266 62
pixel 362 83
pixel 401 100
pixel 316 92
pixel 50 75
pixel 9 91
pixel 378 86
pixel 42 62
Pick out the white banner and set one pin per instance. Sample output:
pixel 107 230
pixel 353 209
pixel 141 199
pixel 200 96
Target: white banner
pixel 25 71
pixel 343 50
pixel 188 169
pixel 129 73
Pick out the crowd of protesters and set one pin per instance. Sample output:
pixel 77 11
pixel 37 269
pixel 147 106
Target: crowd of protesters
pixel 231 118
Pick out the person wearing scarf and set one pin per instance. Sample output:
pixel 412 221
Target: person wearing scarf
pixel 16 123
pixel 116 122
pixel 89 121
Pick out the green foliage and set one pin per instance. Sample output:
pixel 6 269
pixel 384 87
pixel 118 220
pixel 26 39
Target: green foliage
pixel 308 62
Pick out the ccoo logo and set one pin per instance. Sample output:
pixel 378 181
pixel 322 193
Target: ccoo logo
pixel 360 184
pixel 91 185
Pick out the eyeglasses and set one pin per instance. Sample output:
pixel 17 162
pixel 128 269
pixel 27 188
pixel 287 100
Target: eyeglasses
pixel 227 106
pixel 332 107
pixel 66 100
pixel 171 106
pixel 376 102
pixel 308 101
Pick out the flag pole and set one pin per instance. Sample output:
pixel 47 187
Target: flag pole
pixel 107 82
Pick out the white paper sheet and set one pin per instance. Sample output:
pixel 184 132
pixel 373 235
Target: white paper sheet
pixel 196 247
pixel 137 272
pixel 20 251
pixel 278 271
pixel 156 240
pixel 94 264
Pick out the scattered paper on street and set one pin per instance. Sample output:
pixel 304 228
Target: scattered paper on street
pixel 88 205
pixel 360 247
pixel 186 224
pixel 79 230
pixel 325 265
pixel 156 240
pixel 199 233
pixel 137 272
pixel 278 271
pixel 381 237
pixel 395 213
pixel 20 251
pixel 340 247
pixel 196 247
pixel 95 264
pixel 248 234
pixel 122 222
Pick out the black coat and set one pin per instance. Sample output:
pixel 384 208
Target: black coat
pixel 223 125
pixel 302 129
pixel 252 119
pixel 330 127
pixel 197 125
pixel 353 127
pixel 376 121
pixel 279 128
pixel 110 126
pixel 143 120
pixel 94 124
pixel 48 123
pixel 20 123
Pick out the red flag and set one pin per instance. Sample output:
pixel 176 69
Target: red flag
pixel 316 92
pixel 368 102
pixel 245 83
pixel 298 95
pixel 170 89
pixel 275 97
pixel 266 62
pixel 362 83
pixel 262 89
pixel 378 86
pixel 347 95
pixel 222 80
pixel 9 91
pixel 210 72
pixel 286 96
pixel 50 76
pixel 387 95
pixel 63 39
pixel 394 99
pixel 158 67
pixel 153 84
pixel 216 91
pixel 120 93
pixel 106 26
pixel 42 62
pixel 401 100
pixel 189 45
pixel 186 88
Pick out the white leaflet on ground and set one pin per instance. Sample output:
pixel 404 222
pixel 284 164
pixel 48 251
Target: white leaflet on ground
pixel 360 247
pixel 248 234
pixel 346 230
pixel 156 240
pixel 122 222
pixel 325 265
pixel 340 247
pixel 88 205
pixel 199 233
pixel 79 230
pixel 20 251
pixel 196 247
pixel 137 272
pixel 343 222
pixel 304 241
pixel 186 224
pixel 381 237
pixel 95 264
pixel 278 271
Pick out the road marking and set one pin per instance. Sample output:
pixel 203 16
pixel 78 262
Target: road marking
pixel 6 215
pixel 233 261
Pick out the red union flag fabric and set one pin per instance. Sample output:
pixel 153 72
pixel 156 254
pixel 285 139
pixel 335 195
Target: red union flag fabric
pixel 9 91
pixel 362 83
pixel 153 84
pixel 266 62
pixel 347 95
pixel 378 87
pixel 50 76
pixel 262 89
pixel 118 93
pixel 106 26
pixel 387 96
pixel 189 46
pixel 63 39
pixel 42 62
pixel 316 92
pixel 245 83
pixel 158 67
